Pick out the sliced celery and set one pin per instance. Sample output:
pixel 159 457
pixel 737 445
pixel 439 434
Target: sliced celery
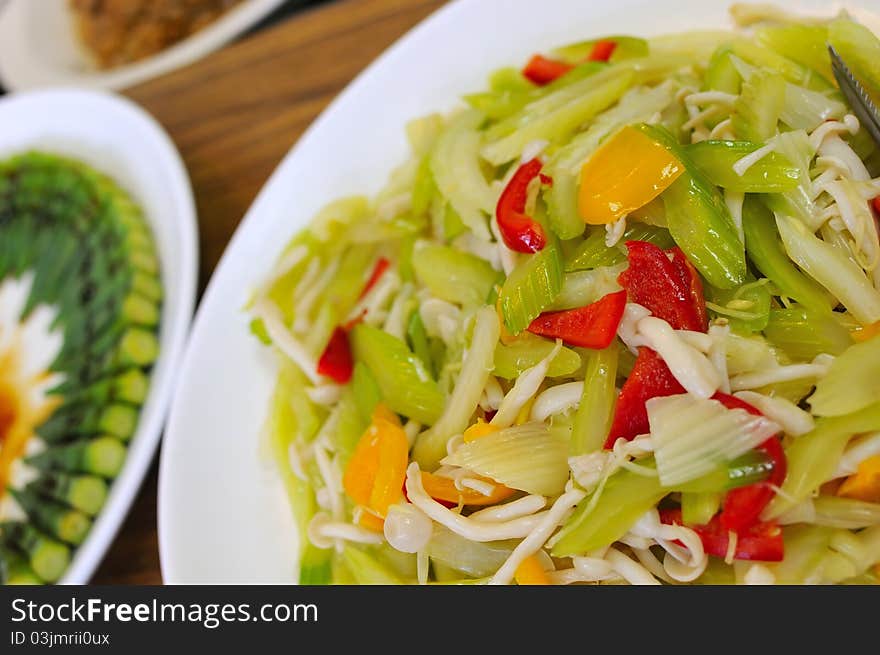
pixel 699 508
pixel 795 146
pixel 802 43
pixel 406 384
pixel 423 188
pixel 765 58
pixel 747 308
pixel 258 329
pixel 472 558
pixel 623 501
pixel 721 74
pixel 593 253
pixel 773 173
pixel 626 47
pixel 565 164
pixel 756 112
pixel 813 457
pixel 852 382
pixel 860 49
pixel 367 393
pixel 509 79
pixel 768 255
pixel 315 566
pixel 456 169
pixel 562 121
pixel 531 287
pixel 805 548
pixel 366 569
pixel 418 340
pixel 847 513
pixel 832 269
pixel 593 418
pixel 805 109
pixel 581 288
pixel 355 265
pixel 529 457
pixel 497 105
pixel 803 333
pixel 699 220
pixel 455 276
pixel 350 424
pixel 749 468
pixel 526 351
pixel 430 447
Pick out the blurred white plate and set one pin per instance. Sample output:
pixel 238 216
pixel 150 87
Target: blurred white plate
pixel 223 514
pixel 39 47
pixel 117 137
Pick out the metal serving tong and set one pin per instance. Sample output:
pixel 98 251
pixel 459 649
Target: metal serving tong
pixel 859 100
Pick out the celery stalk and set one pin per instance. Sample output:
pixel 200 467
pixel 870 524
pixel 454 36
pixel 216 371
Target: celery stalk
pixel 700 221
pixel 593 418
pixel 767 254
pixel 366 569
pixel 796 147
pixel 367 393
pixel 805 548
pixel 315 566
pixel 765 58
pixel 756 112
pixel 430 446
pixel 772 174
pixel 561 122
pixel 813 457
pixel 802 333
pixel 456 169
pixel 747 308
pixel 624 500
pixel 418 340
pixel 699 508
pixel 350 424
pixel 406 385
pixel 754 466
pixel 531 287
pixel 455 276
pixel 593 253
pixel 860 49
pixel 721 74
pixel 526 351
pixel 830 268
pixel 804 44
pixel 852 382
pixel 581 288
pixel 626 47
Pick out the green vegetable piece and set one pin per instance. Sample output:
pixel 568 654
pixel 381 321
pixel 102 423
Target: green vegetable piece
pixel 61 522
pixel 15 570
pixel 721 74
pixel 315 566
pixel 773 173
pixel 804 44
pixel 626 47
pixel 700 221
pixel 47 557
pixel 802 333
pixel 747 308
pixel 531 287
pixel 768 255
pixel 455 276
pixel 526 351
pixel 756 112
pixel 813 457
pixel 366 569
pixel 406 384
pixel 624 500
pixel 596 410
pixel 698 508
pixel 367 393
pixel 102 456
pixel 86 493
pixel 860 49
pixel 852 382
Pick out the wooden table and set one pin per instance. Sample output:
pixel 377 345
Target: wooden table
pixel 233 116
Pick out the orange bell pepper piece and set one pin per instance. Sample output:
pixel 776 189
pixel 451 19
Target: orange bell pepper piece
pixel 440 488
pixel 627 172
pixel 377 469
pixel 478 430
pixel 530 572
pixel 864 484
pixel 867 332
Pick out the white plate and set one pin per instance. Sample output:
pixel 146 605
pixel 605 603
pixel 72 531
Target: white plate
pixel 38 46
pixel 223 515
pixel 117 137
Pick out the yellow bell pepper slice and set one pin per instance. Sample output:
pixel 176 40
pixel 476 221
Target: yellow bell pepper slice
pixel 478 430
pixel 441 488
pixel 530 572
pixel 377 469
pixel 628 171
pixel 864 484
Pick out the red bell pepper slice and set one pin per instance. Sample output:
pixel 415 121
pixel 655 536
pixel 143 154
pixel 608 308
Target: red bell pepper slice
pixel 592 326
pixel 602 51
pixel 519 231
pixel 540 70
pixel 876 204
pixel 336 361
pixel 761 542
pixel 670 288
pixel 650 378
pixel 379 269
